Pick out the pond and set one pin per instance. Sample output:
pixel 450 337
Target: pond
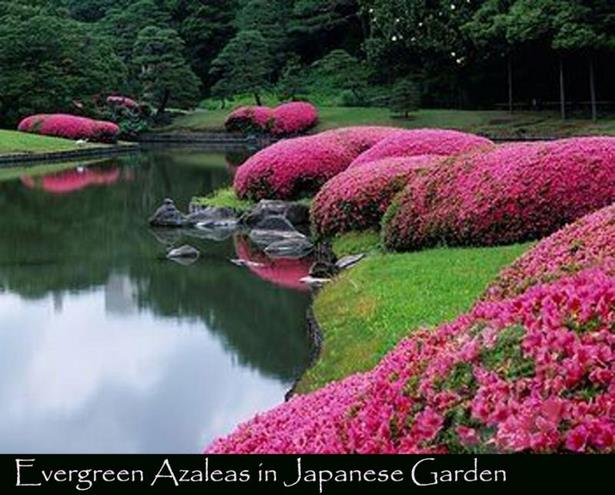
pixel 106 346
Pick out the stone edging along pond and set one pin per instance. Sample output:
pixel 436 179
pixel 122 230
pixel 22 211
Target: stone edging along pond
pixel 59 156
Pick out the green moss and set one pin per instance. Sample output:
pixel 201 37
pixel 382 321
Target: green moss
pixel 225 197
pixel 367 310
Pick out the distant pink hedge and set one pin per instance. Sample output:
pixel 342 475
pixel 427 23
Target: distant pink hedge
pixel 529 374
pixel 586 243
pixel 357 198
pixel 71 127
pixel 293 167
pixel 284 120
pixel 509 194
pixel 122 101
pixel 423 142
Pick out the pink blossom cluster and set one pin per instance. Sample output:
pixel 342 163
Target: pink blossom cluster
pixel 284 120
pixel 357 198
pixel 423 142
pixel 293 118
pixel 73 180
pixel 282 272
pixel 589 242
pixel 71 127
pixel 294 167
pixel 122 101
pixel 504 195
pixel 535 373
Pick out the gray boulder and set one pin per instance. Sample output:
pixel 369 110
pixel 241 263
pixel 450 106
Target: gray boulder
pixel 167 215
pixel 184 251
pixel 348 261
pixel 289 248
pixel 295 213
pixel 211 215
pixel 273 229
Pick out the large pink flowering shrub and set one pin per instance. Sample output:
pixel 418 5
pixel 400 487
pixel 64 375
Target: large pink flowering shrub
pixel 586 243
pixel 293 118
pixel 293 167
pixel 423 142
pixel 250 119
pixel 508 194
pixel 357 198
pixel 531 374
pixel 71 127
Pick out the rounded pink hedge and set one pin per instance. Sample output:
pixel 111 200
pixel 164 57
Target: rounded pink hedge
pixel 509 194
pixel 122 101
pixel 294 167
pixel 293 118
pixel 250 119
pixel 71 127
pixel 586 243
pixel 357 198
pixel 423 142
pixel 529 374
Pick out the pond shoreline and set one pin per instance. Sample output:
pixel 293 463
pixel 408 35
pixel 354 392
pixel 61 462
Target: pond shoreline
pixel 10 160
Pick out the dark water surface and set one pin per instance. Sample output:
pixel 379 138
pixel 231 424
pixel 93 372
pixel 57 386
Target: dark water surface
pixel 107 347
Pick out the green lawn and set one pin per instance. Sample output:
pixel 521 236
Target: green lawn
pixel 12 142
pixel 496 123
pixel 367 310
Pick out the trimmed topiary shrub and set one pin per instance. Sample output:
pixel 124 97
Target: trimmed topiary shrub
pixel 71 127
pixel 299 166
pixel 588 242
pixel 250 119
pixel 293 118
pixel 357 198
pixel 529 374
pixel 509 194
pixel 423 142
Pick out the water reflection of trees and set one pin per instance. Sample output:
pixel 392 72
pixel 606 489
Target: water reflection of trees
pixel 56 245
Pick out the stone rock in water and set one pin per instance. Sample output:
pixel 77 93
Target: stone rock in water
pixel 273 229
pixel 167 215
pixel 185 251
pixel 211 214
pixel 295 213
pixel 289 248
pixel 348 261
pixel 315 282
pixel 323 269
pixel 248 263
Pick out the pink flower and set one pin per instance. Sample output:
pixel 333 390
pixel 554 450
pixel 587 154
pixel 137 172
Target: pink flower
pixel 576 440
pixel 467 436
pixel 70 127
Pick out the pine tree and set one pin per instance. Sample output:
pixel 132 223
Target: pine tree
pixel 405 98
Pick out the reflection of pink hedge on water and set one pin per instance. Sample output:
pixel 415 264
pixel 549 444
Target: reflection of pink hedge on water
pixel 286 273
pixel 72 180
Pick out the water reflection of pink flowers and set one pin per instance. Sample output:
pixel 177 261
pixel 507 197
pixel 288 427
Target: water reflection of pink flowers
pixel 285 273
pixel 72 180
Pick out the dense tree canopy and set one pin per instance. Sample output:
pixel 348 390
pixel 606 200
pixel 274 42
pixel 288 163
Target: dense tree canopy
pixel 468 53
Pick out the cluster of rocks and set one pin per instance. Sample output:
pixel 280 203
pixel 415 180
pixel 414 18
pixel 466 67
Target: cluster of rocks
pixel 274 226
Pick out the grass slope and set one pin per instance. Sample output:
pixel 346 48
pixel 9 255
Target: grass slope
pixel 367 310
pixel 496 123
pixel 13 142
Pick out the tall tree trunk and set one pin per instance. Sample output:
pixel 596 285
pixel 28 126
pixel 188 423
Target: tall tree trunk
pixel 257 98
pixel 562 88
pixel 510 84
pixel 592 88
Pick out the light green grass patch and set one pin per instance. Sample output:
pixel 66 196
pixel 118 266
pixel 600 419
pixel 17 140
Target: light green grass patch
pixel 224 197
pixel 13 142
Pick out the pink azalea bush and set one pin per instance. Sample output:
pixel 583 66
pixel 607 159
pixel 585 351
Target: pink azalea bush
pixel 122 101
pixel 71 127
pixel 293 167
pixel 250 119
pixel 293 118
pixel 586 243
pixel 535 373
pixel 357 198
pixel 423 142
pixel 508 194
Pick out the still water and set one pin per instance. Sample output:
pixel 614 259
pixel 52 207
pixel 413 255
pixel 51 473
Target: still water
pixel 107 347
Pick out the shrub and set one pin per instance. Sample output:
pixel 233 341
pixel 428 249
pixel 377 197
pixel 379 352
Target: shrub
pixel 294 167
pixel 293 118
pixel 405 98
pixel 530 374
pixel 122 101
pixel 250 119
pixel 509 194
pixel 70 127
pixel 357 198
pixel 423 142
pixel 588 242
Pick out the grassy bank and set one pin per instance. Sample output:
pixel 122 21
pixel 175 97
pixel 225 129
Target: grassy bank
pixel 13 142
pixel 370 308
pixel 494 123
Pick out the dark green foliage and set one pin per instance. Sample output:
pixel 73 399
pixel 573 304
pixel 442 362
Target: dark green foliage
pixel 291 84
pixel 506 357
pixel 405 97
pixel 165 76
pixel 243 66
